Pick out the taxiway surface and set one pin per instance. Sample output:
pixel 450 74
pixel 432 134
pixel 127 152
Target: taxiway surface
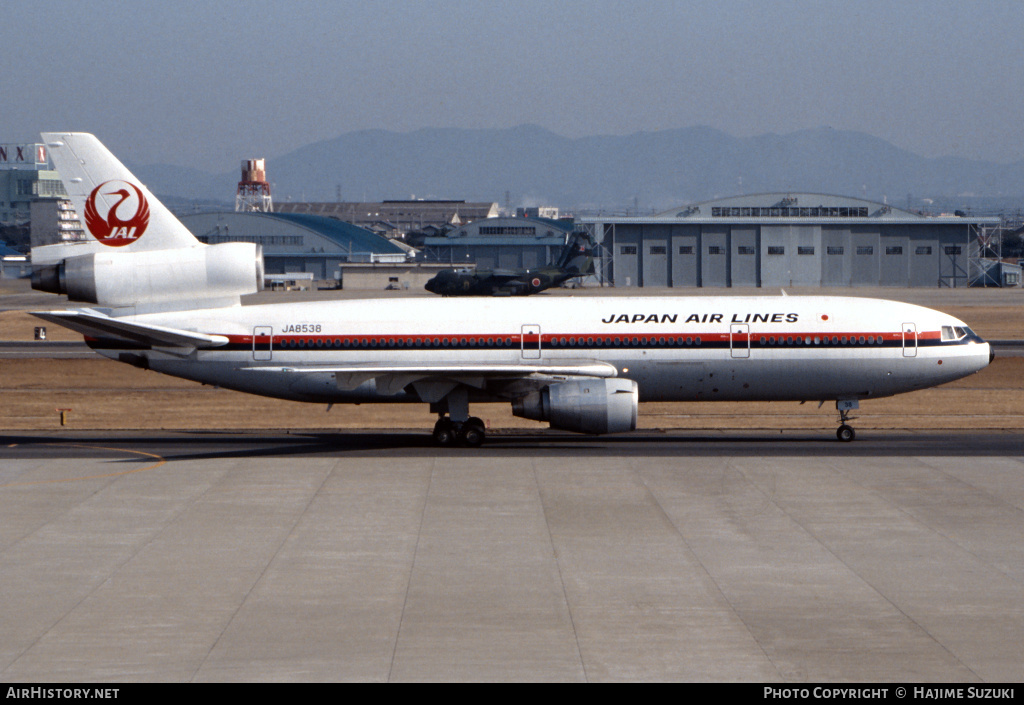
pixel 376 557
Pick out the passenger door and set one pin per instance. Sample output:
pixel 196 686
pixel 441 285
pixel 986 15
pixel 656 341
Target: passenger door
pixel 739 340
pixel 909 340
pixel 531 342
pixel 262 343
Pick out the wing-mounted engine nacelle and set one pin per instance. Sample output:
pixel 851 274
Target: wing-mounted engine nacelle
pixel 119 279
pixel 585 406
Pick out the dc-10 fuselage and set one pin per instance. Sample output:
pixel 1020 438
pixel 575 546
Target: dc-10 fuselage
pixel 675 348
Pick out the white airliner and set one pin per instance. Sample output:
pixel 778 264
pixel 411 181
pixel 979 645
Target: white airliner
pixel 166 302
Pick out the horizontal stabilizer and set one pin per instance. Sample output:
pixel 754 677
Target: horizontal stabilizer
pixel 95 325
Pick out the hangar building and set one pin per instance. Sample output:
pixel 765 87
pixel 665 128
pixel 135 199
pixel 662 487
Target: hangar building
pixel 500 243
pixel 297 242
pixel 396 217
pixel 791 239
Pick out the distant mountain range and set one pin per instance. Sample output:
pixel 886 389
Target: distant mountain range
pixel 648 171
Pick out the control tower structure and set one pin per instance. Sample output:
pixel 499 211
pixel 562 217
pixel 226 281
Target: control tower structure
pixel 253 190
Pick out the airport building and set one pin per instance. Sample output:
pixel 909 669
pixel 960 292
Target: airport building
pixel 13 264
pixel 499 243
pixel 791 239
pixel 296 242
pixel 54 220
pixel 397 217
pixel 25 176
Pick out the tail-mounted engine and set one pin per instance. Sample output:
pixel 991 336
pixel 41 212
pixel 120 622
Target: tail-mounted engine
pixel 118 278
pixel 585 406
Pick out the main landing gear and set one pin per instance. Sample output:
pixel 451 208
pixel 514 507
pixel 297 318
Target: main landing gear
pixel 845 432
pixel 454 424
pixel 470 432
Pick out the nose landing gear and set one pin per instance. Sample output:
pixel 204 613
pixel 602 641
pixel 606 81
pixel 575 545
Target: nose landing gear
pixel 845 432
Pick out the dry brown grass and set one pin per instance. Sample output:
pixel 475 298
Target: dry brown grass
pixel 20 326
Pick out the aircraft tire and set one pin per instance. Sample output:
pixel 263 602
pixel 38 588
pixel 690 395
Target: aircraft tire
pixel 472 435
pixel 846 433
pixel 444 433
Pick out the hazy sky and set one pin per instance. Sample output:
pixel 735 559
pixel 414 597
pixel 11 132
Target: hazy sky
pixel 209 83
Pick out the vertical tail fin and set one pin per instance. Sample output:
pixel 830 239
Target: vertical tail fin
pixel 578 255
pixel 138 256
pixel 116 210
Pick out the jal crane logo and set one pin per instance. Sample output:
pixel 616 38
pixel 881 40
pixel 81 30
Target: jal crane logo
pixel 112 227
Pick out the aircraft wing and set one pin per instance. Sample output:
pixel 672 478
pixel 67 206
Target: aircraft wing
pixel 506 274
pixel 96 325
pixel 436 380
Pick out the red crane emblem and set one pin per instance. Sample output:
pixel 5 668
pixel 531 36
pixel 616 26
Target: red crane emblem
pixel 112 228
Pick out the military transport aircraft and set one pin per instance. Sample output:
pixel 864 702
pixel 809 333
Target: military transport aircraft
pixel 575 260
pixel 161 300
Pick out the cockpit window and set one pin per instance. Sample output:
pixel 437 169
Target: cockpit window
pixel 956 332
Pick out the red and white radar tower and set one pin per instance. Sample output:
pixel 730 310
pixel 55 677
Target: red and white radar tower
pixel 253 190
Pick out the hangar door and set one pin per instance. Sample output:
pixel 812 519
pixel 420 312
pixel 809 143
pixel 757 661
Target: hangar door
pixel 714 265
pixel 656 239
pixel 746 257
pixel 686 256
